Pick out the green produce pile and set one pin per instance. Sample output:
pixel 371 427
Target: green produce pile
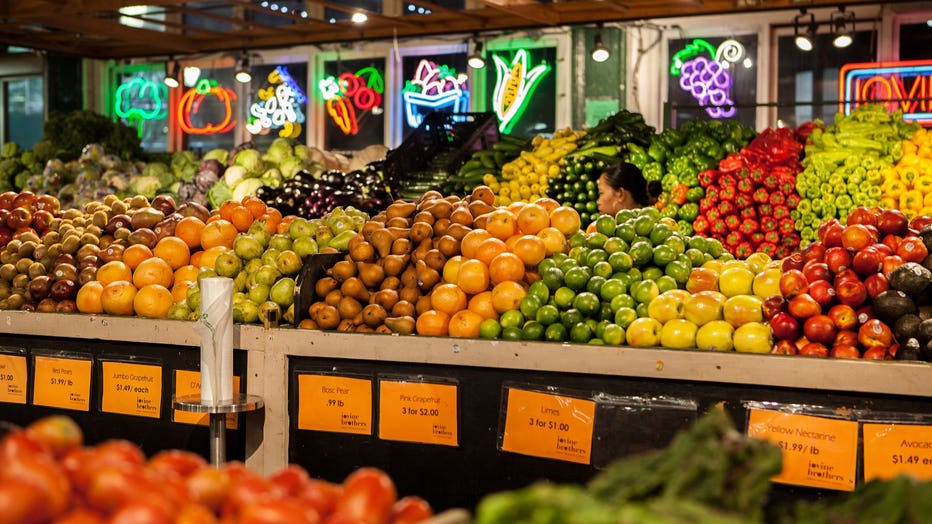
pixel 901 500
pixel 17 165
pixel 66 135
pixel 843 165
pixel 483 164
pixel 603 145
pixel 709 474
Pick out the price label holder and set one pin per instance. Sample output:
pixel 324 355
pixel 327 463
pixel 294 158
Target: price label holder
pixel 419 409
pixel 896 444
pixel 335 403
pixel 14 377
pixel 547 422
pixel 820 447
pixel 62 380
pixel 627 425
pixel 131 387
pixel 188 383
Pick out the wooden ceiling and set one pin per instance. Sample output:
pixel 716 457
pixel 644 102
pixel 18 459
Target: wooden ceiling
pixel 98 28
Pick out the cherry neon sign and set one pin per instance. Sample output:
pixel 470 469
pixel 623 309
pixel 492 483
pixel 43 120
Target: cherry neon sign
pixel 904 86
pixel 433 88
pixel 352 92
pixel 278 107
pixel 190 104
pixel 708 78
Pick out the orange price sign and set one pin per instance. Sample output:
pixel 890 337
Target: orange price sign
pixel 60 382
pixel 13 379
pixel 188 383
pixel 418 412
pixel 818 452
pixel 549 426
pixel 897 449
pixel 335 404
pixel 131 389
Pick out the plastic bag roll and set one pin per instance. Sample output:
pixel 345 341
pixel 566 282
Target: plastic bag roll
pixel 216 329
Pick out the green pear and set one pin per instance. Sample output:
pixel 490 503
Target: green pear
pixel 305 246
pixel 257 230
pixel 247 247
pixel 280 242
pixel 289 263
pixel 258 293
pixel 246 312
pixel 228 264
pixel 270 256
pixel 300 228
pixel 253 265
pixel 282 292
pixel 267 275
pixel 179 311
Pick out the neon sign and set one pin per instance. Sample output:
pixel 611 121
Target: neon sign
pixel 138 100
pixel 349 92
pixel 279 106
pixel 191 101
pixel 513 88
pixel 708 81
pixel 906 86
pixel 434 88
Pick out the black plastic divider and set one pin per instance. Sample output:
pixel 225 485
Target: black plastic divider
pixel 150 434
pixel 459 476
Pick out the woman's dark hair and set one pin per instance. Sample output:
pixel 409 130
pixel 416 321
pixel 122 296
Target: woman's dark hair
pixel 628 177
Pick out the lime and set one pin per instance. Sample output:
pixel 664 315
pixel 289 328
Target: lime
pixel 641 253
pixel 570 318
pixel 490 329
pixel 626 232
pixel 679 271
pixel 623 300
pixel 606 312
pixel 663 255
pixel 645 291
pixel 529 306
pixel 577 277
pixel 625 214
pixel 533 330
pixel 579 254
pixel 592 323
pixel 697 243
pixel 587 303
pixel 512 333
pixel 596 240
pixel 548 314
pixel 546 264
pixel 602 269
pixel 600 328
pixel 613 335
pixel 635 275
pixel 563 297
pixel 555 333
pixel 643 225
pixel 651 212
pixel 595 284
pixel 578 239
pixel 595 256
pixel 540 290
pixel 558 257
pixel 552 277
pixel 615 245
pixel 676 243
pixel 580 333
pixel 605 225
pixel 651 273
pixel 696 257
pixel 567 264
pixel 596 342
pixel 666 283
pixel 624 278
pixel 658 234
pixel 620 261
pixel 512 318
pixel 625 316
pixel 611 289
pixel 713 247
pixel 642 310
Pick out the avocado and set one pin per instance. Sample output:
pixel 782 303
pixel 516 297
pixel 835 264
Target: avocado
pixel 927 263
pixel 927 352
pixel 908 351
pixel 924 331
pixel 893 304
pixel 910 278
pixel 926 235
pixel 906 327
pixel 924 312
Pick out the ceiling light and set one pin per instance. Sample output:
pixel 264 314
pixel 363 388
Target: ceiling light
pixel 476 60
pixel 171 75
pixel 842 27
pixel 748 63
pixel 804 30
pixel 359 17
pixel 600 53
pixel 242 70
pixel 191 74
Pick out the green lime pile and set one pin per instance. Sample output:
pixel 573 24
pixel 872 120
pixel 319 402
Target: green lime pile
pixel 606 281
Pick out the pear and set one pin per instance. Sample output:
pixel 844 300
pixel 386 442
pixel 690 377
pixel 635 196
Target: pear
pixel 401 325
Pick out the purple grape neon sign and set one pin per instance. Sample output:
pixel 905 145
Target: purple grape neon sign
pixel 709 81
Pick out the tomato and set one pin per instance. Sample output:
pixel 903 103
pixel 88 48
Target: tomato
pixel 321 495
pixel 176 463
pixel 291 480
pixel 209 487
pixel 285 511
pixel 118 453
pixel 368 496
pixel 79 516
pixel 248 489
pixel 111 487
pixel 21 503
pixel 141 512
pixel 410 510
pixel 18 443
pixel 195 514
pixel 79 467
pixel 58 433
pixel 41 473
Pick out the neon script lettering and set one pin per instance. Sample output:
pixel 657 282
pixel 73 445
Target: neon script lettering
pixel 279 106
pixel 900 86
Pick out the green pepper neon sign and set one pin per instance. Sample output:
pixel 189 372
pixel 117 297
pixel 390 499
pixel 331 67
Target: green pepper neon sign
pixel 138 100
pixel 513 88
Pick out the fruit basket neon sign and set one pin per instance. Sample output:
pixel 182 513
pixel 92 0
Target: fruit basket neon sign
pixel 434 88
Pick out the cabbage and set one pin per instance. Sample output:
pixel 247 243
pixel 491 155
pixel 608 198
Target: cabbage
pixel 185 165
pixel 144 185
pixel 9 149
pixel 302 152
pixel 271 178
pixel 279 151
pixel 251 160
pixel 290 167
pixel 220 155
pixel 218 194
pixel 160 171
pixel 234 175
pixel 245 188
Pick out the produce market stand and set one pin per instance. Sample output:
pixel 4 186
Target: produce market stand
pixel 270 362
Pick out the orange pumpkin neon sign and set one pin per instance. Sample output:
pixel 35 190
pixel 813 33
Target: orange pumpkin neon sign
pixel 191 101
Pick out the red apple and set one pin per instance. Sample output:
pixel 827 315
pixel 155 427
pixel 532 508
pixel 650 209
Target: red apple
pixel 857 237
pixel 838 259
pixel 6 200
pixel 884 249
pixel 793 282
pixel 794 261
pixel 892 222
pixel 823 292
pixel 814 349
pixel 803 306
pixel 865 313
pixel 843 316
pixel 816 271
pixel 6 234
pixel 814 251
pixel 25 199
pixel 20 217
pixel 890 263
pixel 48 203
pixel 891 242
pixel 41 220
pixel 876 284
pixel 785 347
pixel 912 249
pixel 863 215
pixel 875 353
pixel 845 337
pixel 800 342
pixel 844 351
pixel 830 232
pixel 772 305
pixel 820 328
pixel 867 261
pixel 875 333
pixel 845 275
pixel 851 292
pixel 916 223
pixel 784 326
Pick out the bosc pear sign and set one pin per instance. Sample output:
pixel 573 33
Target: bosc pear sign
pixel 905 86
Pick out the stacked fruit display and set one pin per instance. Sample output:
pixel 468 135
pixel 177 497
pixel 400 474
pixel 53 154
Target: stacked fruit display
pixel 748 199
pixel 529 176
pixel 844 166
pixel 485 166
pixel 908 186
pixel 846 292
pixel 48 475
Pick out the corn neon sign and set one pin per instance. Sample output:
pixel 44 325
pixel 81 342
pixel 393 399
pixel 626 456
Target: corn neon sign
pixel 513 88
pixel 904 86
pixel 349 92
pixel 278 107
pixel 434 88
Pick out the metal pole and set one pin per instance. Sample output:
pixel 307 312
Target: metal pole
pixel 218 444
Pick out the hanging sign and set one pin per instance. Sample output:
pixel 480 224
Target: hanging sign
pixel 705 73
pixel 335 404
pixel 60 382
pixel 138 100
pixel 904 86
pixel 278 107
pixel 418 412
pixel 352 92
pixel 513 88
pixel 131 389
pixel 191 101
pixel 550 426
pixel 434 88
pixel 13 378
pixel 897 449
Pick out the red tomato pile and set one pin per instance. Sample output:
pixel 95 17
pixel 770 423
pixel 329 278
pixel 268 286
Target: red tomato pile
pixel 47 476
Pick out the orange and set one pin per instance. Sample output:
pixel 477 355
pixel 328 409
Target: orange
pixel 510 241
pixel 448 298
pixel 507 296
pixel 196 258
pixel 530 249
pixel 489 249
pixel 174 251
pixel 114 271
pixel 189 229
pixel 473 277
pixel 482 304
pixel 88 299
pixel 218 233
pixel 272 218
pixel 186 273
pixel 452 268
pixel 153 301
pixel 532 218
pixel 516 207
pixel 208 257
pixel 501 224
pixel 180 290
pixel 433 323
pixel 135 254
pixel 465 324
pixel 117 298
pixel 506 267
pixel 226 209
pixel 554 240
pixel 241 218
pixel 548 204
pixel 255 205
pixel 470 243
pixel 283 226
pixel 565 219
pixel 153 271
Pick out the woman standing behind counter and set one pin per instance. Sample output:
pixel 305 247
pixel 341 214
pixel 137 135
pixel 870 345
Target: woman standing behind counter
pixel 622 186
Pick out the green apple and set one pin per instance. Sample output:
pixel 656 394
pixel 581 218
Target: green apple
pixel 228 264
pixel 288 262
pixel 300 228
pixel 753 337
pixel 282 292
pixel 678 333
pixel 644 332
pixel 247 247
pixel 736 280
pixel 267 275
pixel 767 282
pixel 666 307
pixel 716 335
pixel 703 307
pixel 741 309
pixel 280 242
pixel 305 246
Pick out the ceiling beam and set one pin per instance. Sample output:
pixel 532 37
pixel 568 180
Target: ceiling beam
pixel 40 8
pixel 370 14
pixel 26 40
pixel 527 9
pixel 97 26
pixel 247 4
